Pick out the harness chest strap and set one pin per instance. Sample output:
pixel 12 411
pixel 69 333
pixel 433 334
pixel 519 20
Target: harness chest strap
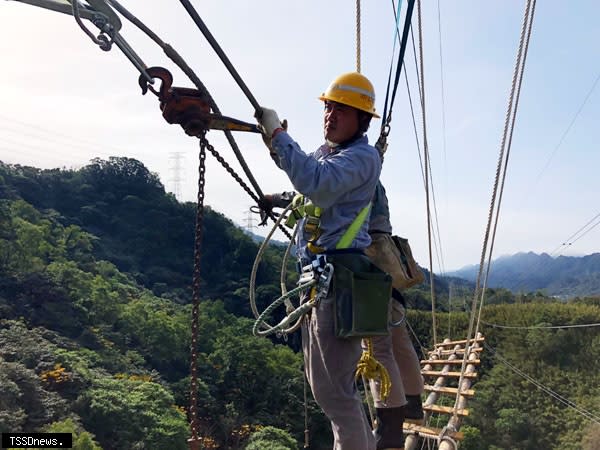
pixel 312 223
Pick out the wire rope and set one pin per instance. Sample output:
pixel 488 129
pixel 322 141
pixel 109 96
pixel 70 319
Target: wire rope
pixel 358 43
pixel 508 149
pixel 479 290
pixel 179 61
pixel 426 158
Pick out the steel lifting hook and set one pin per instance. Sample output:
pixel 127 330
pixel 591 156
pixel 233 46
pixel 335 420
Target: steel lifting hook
pixel 166 78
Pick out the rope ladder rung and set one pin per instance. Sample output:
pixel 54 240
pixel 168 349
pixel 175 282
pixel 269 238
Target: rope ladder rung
pixel 445 410
pixel 449 390
pixel 430 432
pixel 438 373
pixel 461 342
pixel 456 362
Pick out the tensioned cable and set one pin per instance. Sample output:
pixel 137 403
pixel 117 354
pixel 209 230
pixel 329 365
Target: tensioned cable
pixel 386 117
pixel 83 142
pixel 508 148
pixel 587 414
pixel 498 172
pixel 437 241
pixel 478 288
pixel 397 37
pixel 583 234
pixel 219 51
pixel 443 99
pixel 569 240
pixel 437 238
pixel 437 235
pixel 541 327
pixel 178 60
pixel 358 35
pixel 426 158
pixel 443 95
pixel 564 135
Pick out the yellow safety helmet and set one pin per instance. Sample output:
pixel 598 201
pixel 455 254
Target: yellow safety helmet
pixel 352 89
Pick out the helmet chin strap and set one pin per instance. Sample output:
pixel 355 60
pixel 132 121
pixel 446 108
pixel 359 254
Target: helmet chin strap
pixel 331 144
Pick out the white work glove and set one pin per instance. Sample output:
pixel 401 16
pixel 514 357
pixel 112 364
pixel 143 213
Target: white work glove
pixel 267 135
pixel 268 121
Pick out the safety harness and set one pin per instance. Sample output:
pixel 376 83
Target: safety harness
pixel 317 276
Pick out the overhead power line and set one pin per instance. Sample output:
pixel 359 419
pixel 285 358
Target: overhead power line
pixel 541 327
pixel 565 401
pixel 574 237
pixel 564 135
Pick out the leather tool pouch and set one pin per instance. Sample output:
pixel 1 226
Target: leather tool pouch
pixel 413 273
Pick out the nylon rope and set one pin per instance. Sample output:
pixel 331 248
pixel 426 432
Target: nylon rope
pixel 358 20
pixel 426 158
pixel 478 287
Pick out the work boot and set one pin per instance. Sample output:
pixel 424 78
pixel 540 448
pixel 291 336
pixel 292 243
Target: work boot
pixel 388 432
pixel 413 412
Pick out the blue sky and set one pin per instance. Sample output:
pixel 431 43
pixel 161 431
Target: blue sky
pixel 65 102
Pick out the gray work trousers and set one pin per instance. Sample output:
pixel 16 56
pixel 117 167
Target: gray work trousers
pixel 330 366
pixel 402 363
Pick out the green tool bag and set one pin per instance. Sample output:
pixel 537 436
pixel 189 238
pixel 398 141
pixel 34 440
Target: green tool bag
pixel 362 295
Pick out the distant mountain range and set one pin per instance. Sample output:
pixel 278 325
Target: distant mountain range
pixel 564 276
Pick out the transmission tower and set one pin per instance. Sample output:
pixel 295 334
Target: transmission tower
pixel 250 220
pixel 175 168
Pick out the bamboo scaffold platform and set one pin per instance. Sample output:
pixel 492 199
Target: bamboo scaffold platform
pixel 445 398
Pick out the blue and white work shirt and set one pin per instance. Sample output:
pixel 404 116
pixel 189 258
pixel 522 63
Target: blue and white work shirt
pixel 340 181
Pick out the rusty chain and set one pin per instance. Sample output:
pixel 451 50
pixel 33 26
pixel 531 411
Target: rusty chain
pixel 204 145
pixel 237 178
pixel 196 291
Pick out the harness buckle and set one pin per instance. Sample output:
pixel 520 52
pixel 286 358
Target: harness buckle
pixel 311 224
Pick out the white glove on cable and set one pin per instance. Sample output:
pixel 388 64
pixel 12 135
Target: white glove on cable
pixel 268 121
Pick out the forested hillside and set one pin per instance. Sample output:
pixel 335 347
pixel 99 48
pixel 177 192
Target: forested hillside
pixel 95 269
pixel 563 276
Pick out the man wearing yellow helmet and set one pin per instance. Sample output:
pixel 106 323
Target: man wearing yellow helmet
pixel 339 178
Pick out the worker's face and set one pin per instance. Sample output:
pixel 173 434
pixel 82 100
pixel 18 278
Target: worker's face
pixel 340 122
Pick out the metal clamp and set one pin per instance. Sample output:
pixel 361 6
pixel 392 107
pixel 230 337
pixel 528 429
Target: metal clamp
pixel 324 282
pixel 322 271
